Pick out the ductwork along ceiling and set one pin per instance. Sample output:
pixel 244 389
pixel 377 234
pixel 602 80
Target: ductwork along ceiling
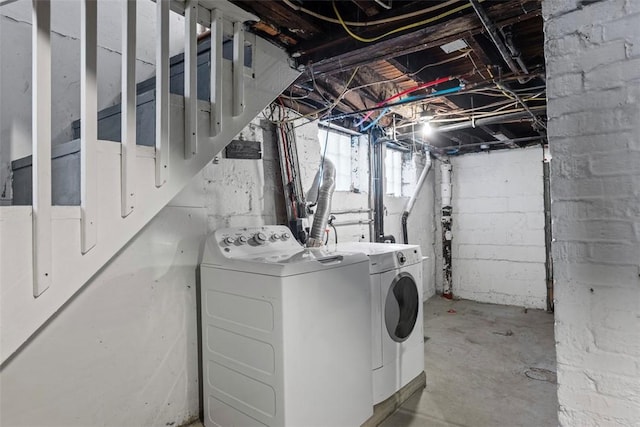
pixel 473 69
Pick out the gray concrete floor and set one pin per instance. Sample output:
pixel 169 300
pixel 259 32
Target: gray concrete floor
pixel 487 365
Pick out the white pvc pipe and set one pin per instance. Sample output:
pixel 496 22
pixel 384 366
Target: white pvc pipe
pixel 423 176
pixel 445 186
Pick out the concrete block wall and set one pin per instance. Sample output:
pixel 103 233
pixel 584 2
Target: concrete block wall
pixel 593 77
pixel 498 227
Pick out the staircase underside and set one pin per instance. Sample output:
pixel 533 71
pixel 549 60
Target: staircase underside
pixel 22 314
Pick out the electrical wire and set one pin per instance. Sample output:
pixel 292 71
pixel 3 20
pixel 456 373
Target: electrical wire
pixel 329 108
pixel 405 92
pixel 335 232
pixel 435 64
pixel 369 23
pixel 397 30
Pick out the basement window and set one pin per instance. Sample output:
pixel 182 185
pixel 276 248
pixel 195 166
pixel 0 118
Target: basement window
pixel 338 150
pixel 393 172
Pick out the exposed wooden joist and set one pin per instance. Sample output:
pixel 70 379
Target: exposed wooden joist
pixel 353 54
pixel 480 57
pixel 443 99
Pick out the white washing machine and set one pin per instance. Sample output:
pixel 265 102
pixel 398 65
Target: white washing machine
pixel 286 332
pixel 396 316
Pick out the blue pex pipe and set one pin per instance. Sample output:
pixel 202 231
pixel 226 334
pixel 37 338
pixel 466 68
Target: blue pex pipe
pixel 411 99
pixel 373 123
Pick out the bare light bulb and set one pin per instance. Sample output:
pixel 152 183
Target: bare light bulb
pixel 427 129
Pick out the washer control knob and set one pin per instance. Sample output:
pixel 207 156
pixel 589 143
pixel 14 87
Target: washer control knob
pixel 275 236
pixel 260 238
pixel 286 236
pixel 229 240
pixel 401 258
pixel 242 240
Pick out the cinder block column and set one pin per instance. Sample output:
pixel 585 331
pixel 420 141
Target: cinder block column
pixel 593 87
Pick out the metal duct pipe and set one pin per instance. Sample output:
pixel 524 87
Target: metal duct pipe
pixel 485 121
pixel 515 53
pixel 495 38
pixel 412 201
pixel 326 176
pixel 481 122
pixel 504 141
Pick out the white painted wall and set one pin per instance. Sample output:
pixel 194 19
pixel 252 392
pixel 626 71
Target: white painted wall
pixel 123 352
pixel 593 89
pixel 498 227
pixel 15 77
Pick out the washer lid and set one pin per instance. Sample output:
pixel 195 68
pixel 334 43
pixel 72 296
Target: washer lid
pixel 269 250
pixel 291 263
pixel 384 256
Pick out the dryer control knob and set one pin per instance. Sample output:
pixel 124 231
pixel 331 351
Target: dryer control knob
pixel 401 258
pixel 229 240
pixel 260 238
pixel 285 236
pixel 242 240
pixel 275 236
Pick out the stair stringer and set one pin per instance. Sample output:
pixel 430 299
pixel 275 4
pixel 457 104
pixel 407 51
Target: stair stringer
pixel 22 315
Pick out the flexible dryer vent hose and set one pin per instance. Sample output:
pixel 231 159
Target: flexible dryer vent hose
pixel 327 176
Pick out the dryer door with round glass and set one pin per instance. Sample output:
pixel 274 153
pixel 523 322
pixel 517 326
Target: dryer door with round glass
pixel 401 307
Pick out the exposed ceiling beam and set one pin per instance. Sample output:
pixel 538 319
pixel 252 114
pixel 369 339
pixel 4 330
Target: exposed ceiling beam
pixel 480 57
pixel 343 54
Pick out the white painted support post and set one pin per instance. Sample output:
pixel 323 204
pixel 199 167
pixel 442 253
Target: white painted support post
pixel 215 93
pixel 238 68
pixel 162 91
pixel 190 78
pixel 88 122
pixel 41 128
pixel 128 113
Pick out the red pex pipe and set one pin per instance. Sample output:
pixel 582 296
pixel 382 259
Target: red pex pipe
pixel 404 92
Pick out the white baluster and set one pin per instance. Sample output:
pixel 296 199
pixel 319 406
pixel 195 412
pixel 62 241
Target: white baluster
pixel 41 125
pixel 88 122
pixel 128 116
pixel 162 92
pixel 215 93
pixel 190 79
pixel 238 68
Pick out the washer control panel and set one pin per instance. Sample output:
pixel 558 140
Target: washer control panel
pixel 244 241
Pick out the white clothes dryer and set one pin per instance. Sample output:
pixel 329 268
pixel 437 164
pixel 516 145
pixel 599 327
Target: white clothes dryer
pixel 395 273
pixel 286 332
